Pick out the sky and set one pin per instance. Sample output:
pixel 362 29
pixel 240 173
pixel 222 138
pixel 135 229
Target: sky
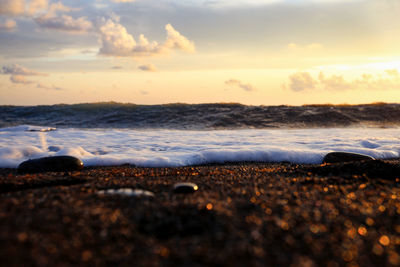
pixel 255 52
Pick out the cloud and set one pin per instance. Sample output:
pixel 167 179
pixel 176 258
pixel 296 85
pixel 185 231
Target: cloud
pixel 9 25
pixel 389 80
pixel 116 41
pixel 22 7
pixel 55 8
pixel 175 40
pixel 20 79
pixel 334 82
pixel 65 23
pixel 45 15
pixel 12 7
pixel 37 5
pixel 53 20
pixel 53 87
pixel 247 87
pixel 148 67
pixel 16 69
pixel 18 75
pixel 302 81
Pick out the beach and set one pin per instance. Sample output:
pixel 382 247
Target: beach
pixel 243 214
pixel 200 133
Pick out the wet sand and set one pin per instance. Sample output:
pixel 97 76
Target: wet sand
pixel 245 214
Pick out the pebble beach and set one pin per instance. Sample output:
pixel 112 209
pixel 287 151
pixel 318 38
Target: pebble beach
pixel 215 133
pixel 240 214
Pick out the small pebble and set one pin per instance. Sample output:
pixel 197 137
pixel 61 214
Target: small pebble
pixel 129 192
pixel 185 188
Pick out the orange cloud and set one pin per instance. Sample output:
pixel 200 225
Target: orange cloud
pixel 9 25
pixel 303 81
pixel 245 86
pixel 16 69
pixel 148 67
pixel 116 41
pixel 19 79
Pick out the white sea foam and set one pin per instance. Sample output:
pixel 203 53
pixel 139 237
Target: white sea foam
pixel 165 148
pixel 28 128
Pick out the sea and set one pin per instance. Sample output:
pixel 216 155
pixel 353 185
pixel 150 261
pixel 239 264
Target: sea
pixel 172 135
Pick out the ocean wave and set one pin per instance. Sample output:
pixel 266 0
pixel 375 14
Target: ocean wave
pixel 200 116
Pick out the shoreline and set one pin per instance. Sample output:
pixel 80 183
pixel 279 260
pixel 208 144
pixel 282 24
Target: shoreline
pixel 252 214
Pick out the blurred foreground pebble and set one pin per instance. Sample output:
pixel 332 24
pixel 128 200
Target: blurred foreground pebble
pixel 185 188
pixel 129 192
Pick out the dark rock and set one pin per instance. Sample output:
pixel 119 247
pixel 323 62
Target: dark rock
pixel 185 188
pixel 51 164
pixel 337 157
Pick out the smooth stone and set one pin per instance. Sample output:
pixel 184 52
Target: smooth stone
pixel 51 164
pixel 337 157
pixel 185 188
pixel 129 192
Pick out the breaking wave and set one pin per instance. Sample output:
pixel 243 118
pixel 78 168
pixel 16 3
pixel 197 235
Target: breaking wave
pixel 200 116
